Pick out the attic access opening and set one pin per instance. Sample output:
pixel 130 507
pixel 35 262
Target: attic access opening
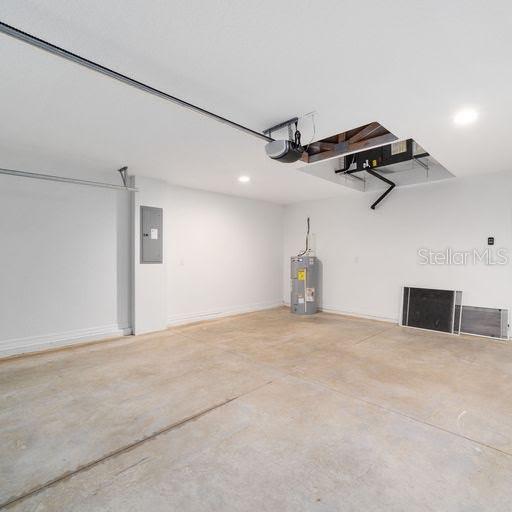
pixel 383 156
pixel 371 158
pixel 357 139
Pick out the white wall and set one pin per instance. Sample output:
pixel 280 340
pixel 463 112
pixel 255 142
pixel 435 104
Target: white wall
pixel 67 270
pixel 149 301
pixel 367 256
pixel 223 254
pixel 66 254
pixel 64 263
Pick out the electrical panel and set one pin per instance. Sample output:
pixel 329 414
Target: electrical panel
pixel 151 239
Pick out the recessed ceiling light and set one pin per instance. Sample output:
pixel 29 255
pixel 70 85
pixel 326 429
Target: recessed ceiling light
pixel 244 179
pixel 465 116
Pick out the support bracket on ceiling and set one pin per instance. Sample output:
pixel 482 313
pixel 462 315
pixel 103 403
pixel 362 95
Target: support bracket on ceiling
pixel 385 180
pixel 372 172
pixel 124 176
pixel 284 124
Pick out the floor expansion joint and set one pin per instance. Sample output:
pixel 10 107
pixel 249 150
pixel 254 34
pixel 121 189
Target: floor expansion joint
pixel 125 449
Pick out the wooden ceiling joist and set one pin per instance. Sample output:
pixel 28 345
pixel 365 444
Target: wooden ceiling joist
pixel 373 134
pixel 365 133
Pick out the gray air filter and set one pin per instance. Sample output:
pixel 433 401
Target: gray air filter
pixel 284 150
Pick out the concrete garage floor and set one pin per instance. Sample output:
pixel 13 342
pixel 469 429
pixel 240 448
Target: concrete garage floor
pixel 261 412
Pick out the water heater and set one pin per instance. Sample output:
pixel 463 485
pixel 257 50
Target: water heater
pixel 304 285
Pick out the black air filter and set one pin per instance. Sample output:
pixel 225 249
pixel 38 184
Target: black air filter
pixel 436 310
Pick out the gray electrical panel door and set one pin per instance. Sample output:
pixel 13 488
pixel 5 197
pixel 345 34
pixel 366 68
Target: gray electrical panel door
pixel 151 247
pixel 304 285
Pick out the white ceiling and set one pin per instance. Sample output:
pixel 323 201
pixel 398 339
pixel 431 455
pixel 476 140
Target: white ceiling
pixel 408 64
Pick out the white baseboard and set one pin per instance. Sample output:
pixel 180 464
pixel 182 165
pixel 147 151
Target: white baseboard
pixel 336 311
pixel 30 344
pixel 188 318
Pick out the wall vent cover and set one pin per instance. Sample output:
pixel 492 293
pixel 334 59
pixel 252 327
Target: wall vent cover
pixel 485 322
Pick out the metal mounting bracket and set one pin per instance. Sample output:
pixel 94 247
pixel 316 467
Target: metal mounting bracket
pixel 124 176
pixel 284 124
pixel 385 180
pixel 372 172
